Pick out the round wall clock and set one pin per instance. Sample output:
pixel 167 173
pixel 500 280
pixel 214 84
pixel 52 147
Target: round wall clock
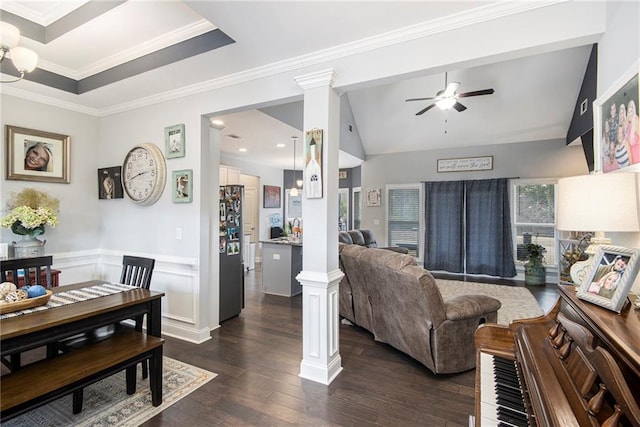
pixel 144 174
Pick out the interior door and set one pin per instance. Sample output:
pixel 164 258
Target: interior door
pixel 251 202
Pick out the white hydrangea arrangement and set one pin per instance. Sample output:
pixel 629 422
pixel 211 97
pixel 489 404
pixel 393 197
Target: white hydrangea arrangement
pixel 31 211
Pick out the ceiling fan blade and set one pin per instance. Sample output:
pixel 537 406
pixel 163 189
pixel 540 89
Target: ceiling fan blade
pixel 459 107
pixel 417 99
pixel 476 93
pixel 424 110
pixel 450 89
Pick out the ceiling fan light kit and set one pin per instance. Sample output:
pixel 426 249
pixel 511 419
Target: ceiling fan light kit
pixel 445 103
pixel 25 60
pixel 447 98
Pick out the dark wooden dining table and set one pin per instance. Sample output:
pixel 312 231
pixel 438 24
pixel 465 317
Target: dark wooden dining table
pixel 40 328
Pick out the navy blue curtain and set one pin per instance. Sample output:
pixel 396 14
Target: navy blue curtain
pixel 444 226
pixel 489 247
pixel 468 227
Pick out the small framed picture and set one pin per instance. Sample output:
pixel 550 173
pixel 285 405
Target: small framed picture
pixel 271 197
pixel 109 183
pixel 174 141
pixel 34 155
pixel 182 186
pixel 373 197
pixel 610 277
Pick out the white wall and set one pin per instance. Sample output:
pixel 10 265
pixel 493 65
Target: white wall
pixel 538 159
pixel 617 52
pixel 80 218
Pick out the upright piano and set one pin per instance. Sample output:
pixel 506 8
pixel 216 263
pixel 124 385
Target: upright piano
pixel 576 366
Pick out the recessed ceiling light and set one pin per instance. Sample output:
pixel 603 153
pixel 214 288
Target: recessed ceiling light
pixel 218 124
pixel 281 145
pixel 242 150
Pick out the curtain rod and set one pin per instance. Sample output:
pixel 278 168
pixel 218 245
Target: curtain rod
pixel 486 179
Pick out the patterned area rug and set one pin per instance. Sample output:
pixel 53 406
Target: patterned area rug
pixel 517 302
pixel 106 402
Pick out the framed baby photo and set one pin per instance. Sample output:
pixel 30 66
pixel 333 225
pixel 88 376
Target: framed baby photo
pixel 110 183
pixel 174 141
pixel 34 155
pixel 611 274
pixel 182 186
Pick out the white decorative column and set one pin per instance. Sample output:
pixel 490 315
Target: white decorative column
pixel 320 274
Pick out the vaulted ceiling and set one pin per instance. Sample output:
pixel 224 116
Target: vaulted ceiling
pixel 107 56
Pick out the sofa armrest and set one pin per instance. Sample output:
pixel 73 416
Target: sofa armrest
pixel 469 306
pixel 397 249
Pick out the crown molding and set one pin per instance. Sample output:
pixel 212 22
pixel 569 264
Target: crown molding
pixel 425 29
pixel 317 79
pixel 166 40
pixel 48 100
pixel 57 10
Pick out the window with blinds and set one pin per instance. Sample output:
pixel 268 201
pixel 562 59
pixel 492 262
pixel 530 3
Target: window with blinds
pixel 357 205
pixel 534 218
pixel 404 217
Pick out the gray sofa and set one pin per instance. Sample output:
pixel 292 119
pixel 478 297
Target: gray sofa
pixel 399 302
pixel 365 238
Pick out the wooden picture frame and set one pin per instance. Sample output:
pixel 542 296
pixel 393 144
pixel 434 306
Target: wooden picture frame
pixel 110 183
pixel 611 140
pixel 174 140
pixel 34 155
pixel 271 196
pixel 611 274
pixel 182 186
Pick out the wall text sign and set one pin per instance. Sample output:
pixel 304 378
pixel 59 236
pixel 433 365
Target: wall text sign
pixel 466 164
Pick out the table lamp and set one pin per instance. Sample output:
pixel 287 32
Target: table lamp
pixel 599 203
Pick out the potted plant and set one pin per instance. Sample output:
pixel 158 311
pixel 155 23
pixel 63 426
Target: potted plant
pixel 534 271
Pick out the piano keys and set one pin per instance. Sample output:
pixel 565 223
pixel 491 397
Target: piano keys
pixel 579 365
pixel 503 403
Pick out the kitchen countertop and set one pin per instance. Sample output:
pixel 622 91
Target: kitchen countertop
pixel 282 241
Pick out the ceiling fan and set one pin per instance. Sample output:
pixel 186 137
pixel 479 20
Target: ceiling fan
pixel 448 98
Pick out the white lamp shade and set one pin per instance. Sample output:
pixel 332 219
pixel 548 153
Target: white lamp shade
pixel 25 60
pixel 598 202
pixel 445 103
pixel 293 192
pixel 9 35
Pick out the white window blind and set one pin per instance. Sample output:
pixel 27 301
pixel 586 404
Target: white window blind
pixel 534 218
pixel 404 217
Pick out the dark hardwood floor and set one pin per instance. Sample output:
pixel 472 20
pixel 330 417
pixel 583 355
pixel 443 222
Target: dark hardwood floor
pixel 257 358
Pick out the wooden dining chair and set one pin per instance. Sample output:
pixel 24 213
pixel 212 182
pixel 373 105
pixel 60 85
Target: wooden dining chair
pixel 26 265
pixel 30 270
pixel 136 271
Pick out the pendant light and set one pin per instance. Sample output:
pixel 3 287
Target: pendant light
pixel 294 189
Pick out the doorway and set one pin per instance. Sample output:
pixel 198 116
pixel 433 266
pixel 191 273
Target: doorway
pixel 251 221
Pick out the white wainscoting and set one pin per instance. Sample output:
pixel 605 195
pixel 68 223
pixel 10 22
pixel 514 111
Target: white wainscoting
pixel 177 277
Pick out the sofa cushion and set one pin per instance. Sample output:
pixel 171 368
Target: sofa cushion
pixel 468 306
pixel 369 239
pixel 356 237
pixel 344 237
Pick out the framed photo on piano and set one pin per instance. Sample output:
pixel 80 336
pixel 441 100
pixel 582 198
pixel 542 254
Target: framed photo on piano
pixel 611 274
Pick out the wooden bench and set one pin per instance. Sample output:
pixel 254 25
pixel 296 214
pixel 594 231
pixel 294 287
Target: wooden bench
pixel 49 379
